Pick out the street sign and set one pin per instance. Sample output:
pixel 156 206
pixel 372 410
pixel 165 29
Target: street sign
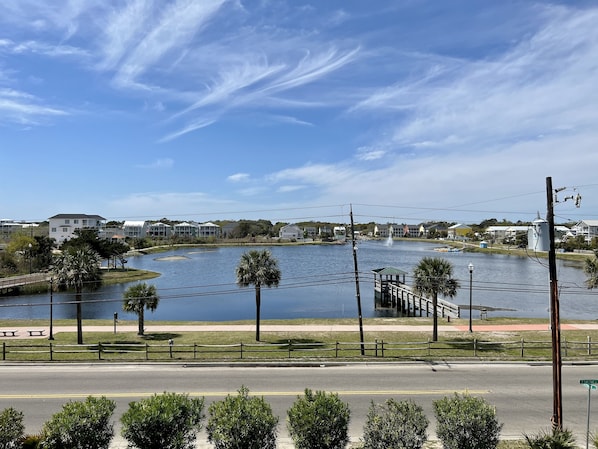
pixel 591 385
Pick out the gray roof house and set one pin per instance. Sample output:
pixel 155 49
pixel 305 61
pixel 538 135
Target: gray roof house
pixel 62 227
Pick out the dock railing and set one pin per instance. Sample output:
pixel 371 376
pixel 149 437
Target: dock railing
pixel 25 279
pixel 402 296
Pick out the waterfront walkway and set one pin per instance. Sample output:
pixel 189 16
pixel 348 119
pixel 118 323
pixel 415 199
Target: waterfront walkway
pixel 24 332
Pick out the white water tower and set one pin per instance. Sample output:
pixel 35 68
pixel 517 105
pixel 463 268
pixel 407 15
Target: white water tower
pixel 537 236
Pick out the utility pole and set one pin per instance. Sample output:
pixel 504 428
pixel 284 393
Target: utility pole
pixel 357 282
pixel 555 325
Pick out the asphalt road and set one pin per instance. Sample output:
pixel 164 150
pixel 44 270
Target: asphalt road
pixel 521 393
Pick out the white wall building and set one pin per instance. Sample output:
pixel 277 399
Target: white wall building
pixel 159 229
pixel 587 228
pixel 186 229
pixel 209 229
pixel 63 226
pixel 291 232
pixel 135 229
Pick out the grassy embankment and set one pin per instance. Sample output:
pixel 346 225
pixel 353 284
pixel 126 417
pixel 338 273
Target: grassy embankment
pixel 209 345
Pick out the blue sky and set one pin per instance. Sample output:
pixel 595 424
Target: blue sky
pixel 409 110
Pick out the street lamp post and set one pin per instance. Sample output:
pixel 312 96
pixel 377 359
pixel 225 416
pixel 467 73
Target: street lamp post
pixel 470 266
pixel 30 258
pixel 51 337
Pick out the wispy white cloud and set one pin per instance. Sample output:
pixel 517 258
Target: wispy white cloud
pixel 145 204
pixel 23 108
pixel 238 177
pixel 197 124
pixel 177 25
pixel 158 164
pixel 254 84
pixel 370 154
pixel 542 85
pixel 290 120
pixel 290 188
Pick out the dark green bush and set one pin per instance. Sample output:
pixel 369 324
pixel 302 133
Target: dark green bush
pixel 242 422
pixel 31 442
pixel 80 425
pixel 11 428
pixel 319 421
pixel 395 425
pixel 554 439
pixel 164 421
pixel 466 422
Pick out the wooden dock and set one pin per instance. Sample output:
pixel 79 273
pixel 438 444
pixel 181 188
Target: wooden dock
pixel 392 292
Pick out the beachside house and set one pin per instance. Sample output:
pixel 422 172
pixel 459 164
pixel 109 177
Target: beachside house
pixel 587 228
pixel 186 229
pixel 291 232
pixel 459 231
pixel 209 230
pixel 135 229
pixel 159 230
pixel 62 227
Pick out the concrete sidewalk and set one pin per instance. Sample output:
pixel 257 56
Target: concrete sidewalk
pixel 24 332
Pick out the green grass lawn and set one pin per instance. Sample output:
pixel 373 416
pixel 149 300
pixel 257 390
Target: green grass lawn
pixel 378 344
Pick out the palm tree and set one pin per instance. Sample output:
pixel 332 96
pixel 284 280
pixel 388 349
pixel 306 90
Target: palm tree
pixel 139 297
pixel 591 270
pixel 76 268
pixel 258 268
pixel 433 276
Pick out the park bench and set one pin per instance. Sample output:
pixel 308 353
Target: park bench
pixel 9 333
pixel 36 333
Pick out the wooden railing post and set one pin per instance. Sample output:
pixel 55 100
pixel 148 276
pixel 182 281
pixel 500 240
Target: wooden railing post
pixel 589 345
pixel 51 353
pixel 99 351
pixel 522 347
pixel 3 350
pixel 289 347
pixel 475 347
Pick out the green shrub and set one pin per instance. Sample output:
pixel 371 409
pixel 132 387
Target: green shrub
pixel 466 422
pixel 11 428
pixel 80 425
pixel 242 422
pixel 319 421
pixel 395 425
pixel 31 442
pixel 554 439
pixel 164 421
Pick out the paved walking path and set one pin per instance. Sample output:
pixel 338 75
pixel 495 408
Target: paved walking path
pixel 24 332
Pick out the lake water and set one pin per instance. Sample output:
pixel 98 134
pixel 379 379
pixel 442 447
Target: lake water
pixel 318 282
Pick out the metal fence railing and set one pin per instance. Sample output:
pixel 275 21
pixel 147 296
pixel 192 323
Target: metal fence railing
pixel 378 349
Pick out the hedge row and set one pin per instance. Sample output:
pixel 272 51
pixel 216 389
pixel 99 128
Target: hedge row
pixel 316 420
